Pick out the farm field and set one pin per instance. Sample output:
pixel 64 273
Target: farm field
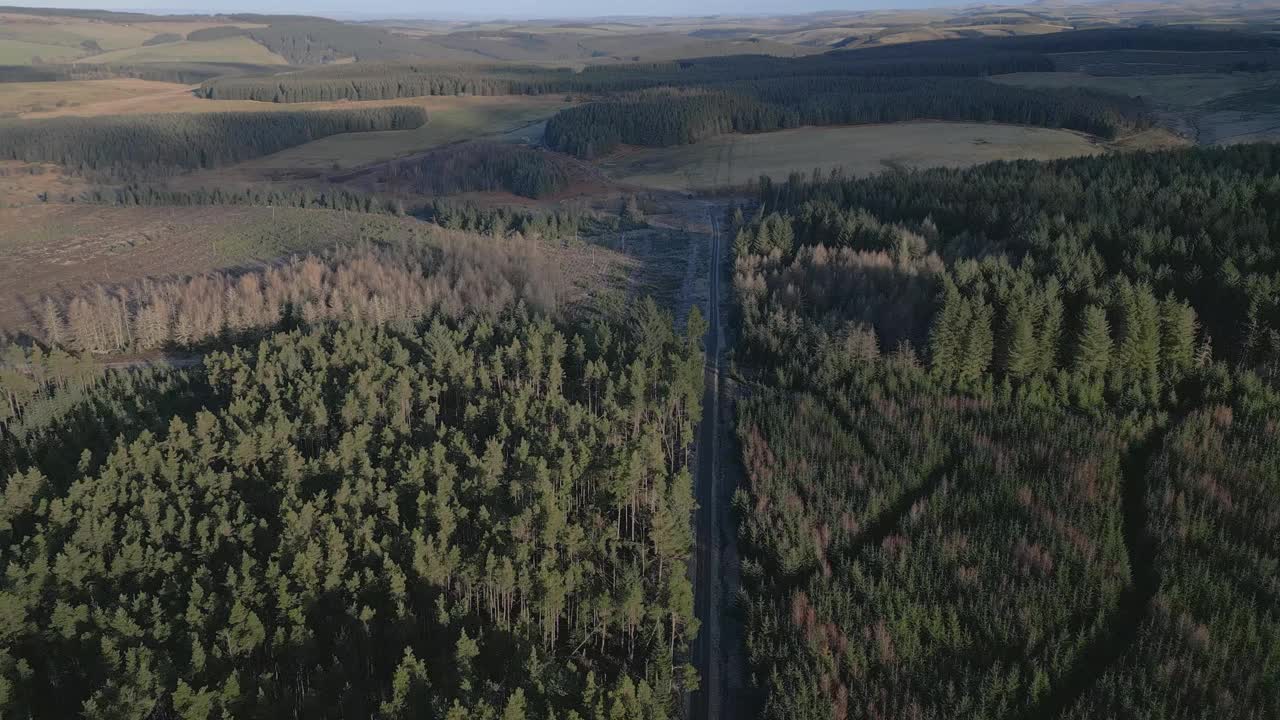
pixel 861 150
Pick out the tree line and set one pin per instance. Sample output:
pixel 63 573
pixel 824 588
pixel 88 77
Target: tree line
pixel 220 32
pixel 385 81
pixel 382 81
pixel 187 73
pixel 493 221
pixel 664 118
pixel 192 140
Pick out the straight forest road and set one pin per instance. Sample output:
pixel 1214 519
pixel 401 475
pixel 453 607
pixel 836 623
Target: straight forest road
pixel 715 573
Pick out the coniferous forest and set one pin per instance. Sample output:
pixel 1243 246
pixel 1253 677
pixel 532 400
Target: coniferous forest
pixel 187 140
pixel 467 511
pixel 512 417
pixel 1009 440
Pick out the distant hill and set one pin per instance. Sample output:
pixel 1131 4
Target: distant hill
pixel 35 36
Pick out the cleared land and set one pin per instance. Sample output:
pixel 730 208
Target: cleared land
pixel 53 249
pixel 862 150
pixel 36 184
pixel 47 97
pixel 57 249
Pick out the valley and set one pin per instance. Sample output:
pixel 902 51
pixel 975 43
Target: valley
pixel 885 363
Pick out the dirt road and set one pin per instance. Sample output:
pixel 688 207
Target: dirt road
pixel 718 651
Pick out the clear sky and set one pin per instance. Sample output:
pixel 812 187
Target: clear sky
pixel 446 9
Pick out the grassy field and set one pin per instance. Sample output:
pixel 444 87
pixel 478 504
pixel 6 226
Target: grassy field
pixel 62 39
pixel 234 49
pixel 19 98
pixel 21 52
pixel 737 159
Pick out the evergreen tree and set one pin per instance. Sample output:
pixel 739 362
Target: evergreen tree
pixel 1093 342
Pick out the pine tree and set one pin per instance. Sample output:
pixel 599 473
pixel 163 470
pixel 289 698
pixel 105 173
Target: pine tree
pixel 1022 353
pixel 1139 350
pixel 946 338
pixel 1093 343
pixel 1049 337
pixel 979 343
pixel 1178 326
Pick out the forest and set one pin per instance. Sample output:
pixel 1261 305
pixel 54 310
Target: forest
pixel 480 167
pixel 985 456
pixel 185 140
pixel 470 505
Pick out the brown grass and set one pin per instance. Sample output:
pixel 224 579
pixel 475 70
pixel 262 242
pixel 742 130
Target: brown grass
pixel 20 186
pixel 42 99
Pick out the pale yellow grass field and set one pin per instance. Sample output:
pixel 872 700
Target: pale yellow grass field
pixel 235 49
pixel 59 39
pixel 70 31
pixel 861 150
pixel 19 52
